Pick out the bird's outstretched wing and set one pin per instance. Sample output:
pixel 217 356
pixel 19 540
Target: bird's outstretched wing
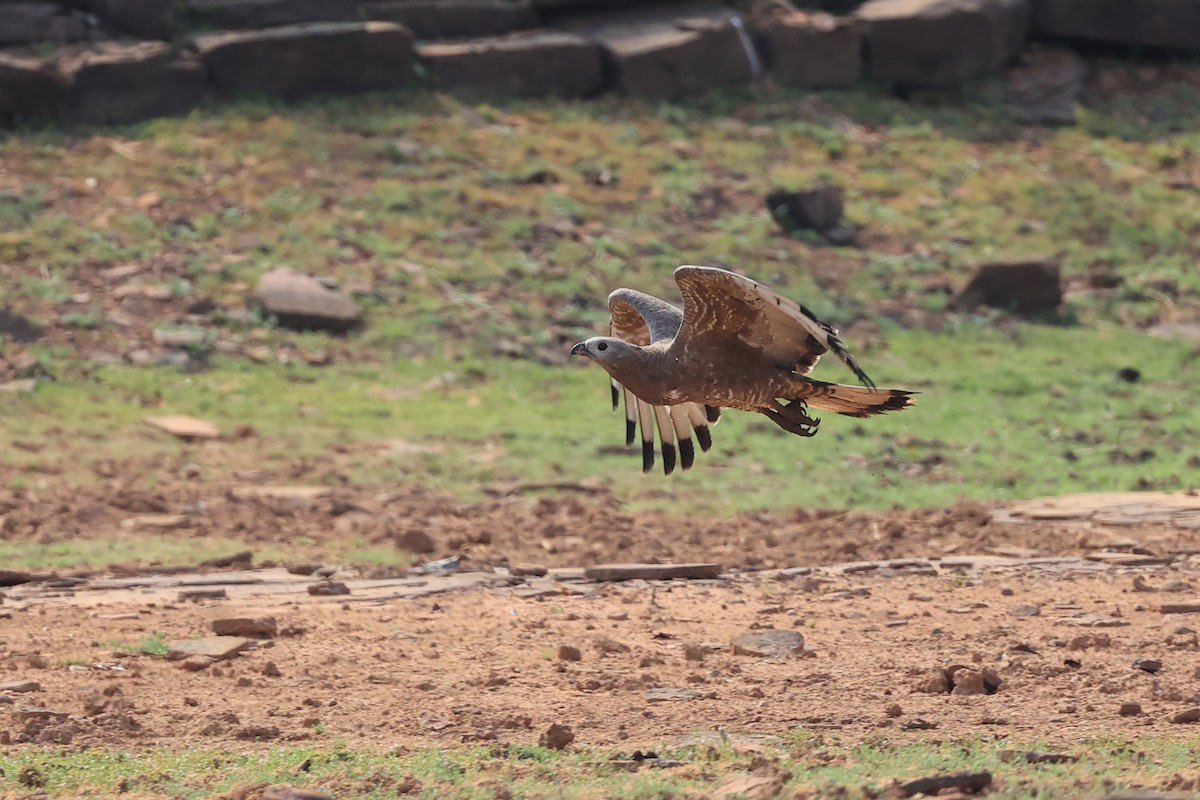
pixel 641 319
pixel 721 306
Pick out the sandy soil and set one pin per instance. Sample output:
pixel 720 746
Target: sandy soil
pixel 1052 601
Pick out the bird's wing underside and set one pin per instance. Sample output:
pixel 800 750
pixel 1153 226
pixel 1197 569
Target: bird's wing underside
pixel 641 319
pixel 725 310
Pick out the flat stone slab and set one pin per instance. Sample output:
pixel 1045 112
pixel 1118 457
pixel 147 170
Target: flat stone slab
pixel 1171 24
pixel 121 83
pixel 531 64
pixel 266 13
pixel 670 50
pixel 184 427
pixel 670 695
pixel 215 647
pixel 931 42
pixel 813 50
pixel 768 644
pixel 296 494
pixel 20 686
pixel 297 60
pixel 446 19
pixel 650 572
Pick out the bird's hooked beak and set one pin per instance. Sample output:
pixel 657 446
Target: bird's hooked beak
pixel 580 349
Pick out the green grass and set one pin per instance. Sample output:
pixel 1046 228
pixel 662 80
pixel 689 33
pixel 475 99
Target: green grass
pixel 809 766
pixel 153 645
pixel 145 548
pixel 1026 411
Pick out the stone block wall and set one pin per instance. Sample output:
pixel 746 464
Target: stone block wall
pixel 118 61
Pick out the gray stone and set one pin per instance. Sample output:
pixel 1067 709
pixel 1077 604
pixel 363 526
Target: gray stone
pixel 145 19
pixel 299 301
pixel 1046 86
pixel 117 84
pixel 819 208
pixel 20 686
pixel 251 627
pixel 813 50
pixel 1154 23
pixel 298 60
pixel 1179 608
pixel 533 64
pixel 21 23
pixel 650 572
pixel 670 50
pixel 29 88
pixel 1187 716
pixel 930 42
pixel 670 695
pixel 268 13
pixel 768 644
pixel 442 19
pixel 22 713
pixel 1025 287
pixel 216 647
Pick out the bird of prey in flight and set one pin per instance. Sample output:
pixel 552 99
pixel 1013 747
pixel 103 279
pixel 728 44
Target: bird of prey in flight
pixel 736 344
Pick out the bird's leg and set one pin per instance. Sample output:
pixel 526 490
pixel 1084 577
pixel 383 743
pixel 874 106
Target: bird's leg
pixel 795 410
pixel 792 418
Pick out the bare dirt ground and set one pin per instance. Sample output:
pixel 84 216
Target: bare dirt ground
pixel 1045 604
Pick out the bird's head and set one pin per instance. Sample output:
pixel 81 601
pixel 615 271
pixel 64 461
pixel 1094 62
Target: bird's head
pixel 604 350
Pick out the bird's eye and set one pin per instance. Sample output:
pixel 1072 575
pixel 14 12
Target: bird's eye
pixel 602 346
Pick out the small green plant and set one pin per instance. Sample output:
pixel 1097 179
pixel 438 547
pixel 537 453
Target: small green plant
pixel 153 645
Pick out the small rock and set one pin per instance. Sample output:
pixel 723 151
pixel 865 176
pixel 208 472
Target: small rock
pixel 1188 716
pixel 1026 611
pixel 749 787
pixel 270 670
pixel 1130 709
pixel 415 540
pixel 303 569
pixel 893 710
pixel 303 302
pixel 935 681
pixel 283 792
pixel 531 570
pixel 818 209
pixel 20 686
pixel 24 713
pixel 694 652
pixel 328 588
pixel 216 647
pixel 968 682
pixel 568 652
pixel 556 737
pixel 1150 665
pixel 606 645
pixel 768 644
pixel 184 427
pixel 1025 287
pixel 197 663
pixel 663 695
pixel 256 627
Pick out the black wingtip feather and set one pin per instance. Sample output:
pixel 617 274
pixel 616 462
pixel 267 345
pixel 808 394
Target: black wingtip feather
pixel 668 458
pixel 647 455
pixel 704 438
pixel 687 454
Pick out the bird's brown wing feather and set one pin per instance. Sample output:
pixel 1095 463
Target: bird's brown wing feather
pixel 722 307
